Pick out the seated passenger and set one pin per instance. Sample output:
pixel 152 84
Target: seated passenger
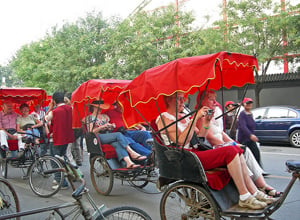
pixel 100 124
pixel 218 138
pixel 137 136
pixel 230 157
pixel 7 128
pixel 28 124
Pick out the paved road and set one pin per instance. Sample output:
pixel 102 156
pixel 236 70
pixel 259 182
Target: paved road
pixel 274 158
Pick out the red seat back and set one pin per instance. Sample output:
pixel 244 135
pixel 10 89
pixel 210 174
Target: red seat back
pixel 12 145
pixel 109 151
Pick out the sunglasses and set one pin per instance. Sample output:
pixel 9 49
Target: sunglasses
pixel 181 99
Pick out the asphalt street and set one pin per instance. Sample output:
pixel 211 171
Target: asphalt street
pixel 274 158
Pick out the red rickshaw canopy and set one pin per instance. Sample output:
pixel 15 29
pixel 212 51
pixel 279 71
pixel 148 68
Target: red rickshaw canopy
pixel 91 90
pixel 187 75
pixel 31 96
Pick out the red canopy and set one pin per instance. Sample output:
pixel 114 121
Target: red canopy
pixel 31 96
pixel 94 89
pixel 188 75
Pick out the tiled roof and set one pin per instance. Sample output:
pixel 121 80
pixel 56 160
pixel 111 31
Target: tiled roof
pixel 280 77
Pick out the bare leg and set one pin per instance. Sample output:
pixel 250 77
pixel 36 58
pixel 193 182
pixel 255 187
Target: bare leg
pixel 248 181
pixel 134 154
pixel 260 182
pixel 129 163
pixel 235 171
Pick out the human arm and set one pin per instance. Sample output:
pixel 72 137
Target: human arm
pixel 38 124
pixel 183 133
pixel 96 125
pixel 49 114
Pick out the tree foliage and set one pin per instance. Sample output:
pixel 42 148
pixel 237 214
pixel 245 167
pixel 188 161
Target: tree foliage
pixel 96 48
pixel 10 77
pixel 260 27
pixel 66 57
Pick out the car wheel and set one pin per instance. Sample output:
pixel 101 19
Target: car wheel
pixel 295 138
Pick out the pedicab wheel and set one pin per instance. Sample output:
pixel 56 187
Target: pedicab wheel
pixel 187 201
pixel 8 199
pixel 4 167
pixel 46 176
pixel 101 175
pixel 295 138
pixel 124 212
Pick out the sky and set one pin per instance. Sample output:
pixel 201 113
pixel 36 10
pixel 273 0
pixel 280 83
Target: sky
pixel 26 21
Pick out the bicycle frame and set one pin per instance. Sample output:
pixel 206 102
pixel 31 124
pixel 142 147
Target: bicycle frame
pixel 72 174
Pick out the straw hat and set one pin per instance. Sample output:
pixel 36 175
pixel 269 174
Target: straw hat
pixel 99 104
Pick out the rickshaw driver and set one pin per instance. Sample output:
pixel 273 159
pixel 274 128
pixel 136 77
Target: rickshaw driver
pixel 7 128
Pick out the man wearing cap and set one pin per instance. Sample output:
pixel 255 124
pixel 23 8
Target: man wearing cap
pixel 246 127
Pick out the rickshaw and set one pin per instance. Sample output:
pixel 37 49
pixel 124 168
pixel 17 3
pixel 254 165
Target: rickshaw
pixel 104 166
pixel 31 96
pixel 189 191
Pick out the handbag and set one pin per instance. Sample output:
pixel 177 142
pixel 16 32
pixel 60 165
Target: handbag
pixel 25 127
pixel 11 131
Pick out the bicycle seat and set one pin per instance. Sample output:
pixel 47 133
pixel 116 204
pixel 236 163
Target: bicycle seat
pixel 293 165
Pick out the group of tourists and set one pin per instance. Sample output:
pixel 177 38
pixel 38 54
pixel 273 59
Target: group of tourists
pixel 131 146
pixel 242 166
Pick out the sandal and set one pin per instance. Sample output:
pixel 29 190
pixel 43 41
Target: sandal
pixel 270 191
pixel 261 196
pixel 133 166
pixel 139 158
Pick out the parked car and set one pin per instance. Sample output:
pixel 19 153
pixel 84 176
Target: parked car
pixel 278 124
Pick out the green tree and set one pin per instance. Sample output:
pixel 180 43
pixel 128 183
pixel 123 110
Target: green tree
pixel 150 39
pixel 65 58
pixel 10 77
pixel 94 48
pixel 260 27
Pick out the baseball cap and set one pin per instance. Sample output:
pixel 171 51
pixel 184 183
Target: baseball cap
pixel 229 103
pixel 247 100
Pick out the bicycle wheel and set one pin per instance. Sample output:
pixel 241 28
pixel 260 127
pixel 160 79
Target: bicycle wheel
pixel 101 175
pixel 187 201
pixel 9 202
pixel 124 212
pixel 44 175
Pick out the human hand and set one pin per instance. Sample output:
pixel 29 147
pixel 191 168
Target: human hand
pixel 253 138
pixel 202 112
